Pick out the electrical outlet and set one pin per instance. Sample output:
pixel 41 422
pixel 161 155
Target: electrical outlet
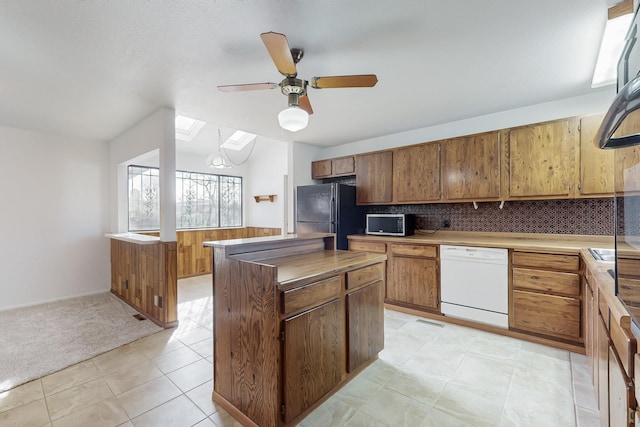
pixel 446 223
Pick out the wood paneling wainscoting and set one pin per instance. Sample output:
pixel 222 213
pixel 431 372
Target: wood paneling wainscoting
pixel 195 259
pixel 144 276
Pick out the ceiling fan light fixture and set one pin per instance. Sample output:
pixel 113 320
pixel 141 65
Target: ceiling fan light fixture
pixel 293 118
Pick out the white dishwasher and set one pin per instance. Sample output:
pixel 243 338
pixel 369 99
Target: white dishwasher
pixel 474 284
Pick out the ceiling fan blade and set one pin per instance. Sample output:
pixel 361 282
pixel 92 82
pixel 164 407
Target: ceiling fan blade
pixel 280 52
pixel 250 86
pixel 303 102
pixel 360 80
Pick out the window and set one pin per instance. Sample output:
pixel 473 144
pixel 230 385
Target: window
pixel 202 200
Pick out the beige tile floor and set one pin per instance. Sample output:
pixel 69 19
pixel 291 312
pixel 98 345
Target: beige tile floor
pixel 429 374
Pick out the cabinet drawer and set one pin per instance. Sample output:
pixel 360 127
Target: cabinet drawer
pixel 546 314
pixel 377 247
pixel 311 295
pixel 546 261
pixel 414 250
pixel 365 275
pixel 546 281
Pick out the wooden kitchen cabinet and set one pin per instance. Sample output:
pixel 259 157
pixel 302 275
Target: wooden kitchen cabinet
pixel 374 178
pixel 627 159
pixel 313 356
pixel 596 165
pixel 546 296
pixel 590 330
pixel 471 167
pixel 603 370
pixel 294 321
pixel 413 276
pixel 330 168
pixel 542 160
pixel 416 173
pixel 365 314
pixel 621 393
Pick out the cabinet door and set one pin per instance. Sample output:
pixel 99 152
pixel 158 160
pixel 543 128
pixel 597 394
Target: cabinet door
pixel 343 166
pixel 627 159
pixel 547 314
pixel 416 173
pixel 590 338
pixel 603 371
pixel 596 165
pixel 365 324
pixel 314 356
pixel 321 169
pixel 627 170
pixel 413 281
pixel 541 160
pixel 374 178
pixel 471 167
pixel 621 393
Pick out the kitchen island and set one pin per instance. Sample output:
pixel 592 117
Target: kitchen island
pixel 294 320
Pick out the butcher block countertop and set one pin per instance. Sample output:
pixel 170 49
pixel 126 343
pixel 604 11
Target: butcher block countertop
pixel 556 243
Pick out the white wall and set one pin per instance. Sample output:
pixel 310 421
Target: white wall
pixel 54 214
pixel 597 102
pixel 267 167
pixel 150 140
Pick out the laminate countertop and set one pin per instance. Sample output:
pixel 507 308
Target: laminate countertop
pixel 294 269
pixel 556 243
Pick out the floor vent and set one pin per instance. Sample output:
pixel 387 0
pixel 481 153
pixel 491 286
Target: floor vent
pixel 439 325
pixel 139 317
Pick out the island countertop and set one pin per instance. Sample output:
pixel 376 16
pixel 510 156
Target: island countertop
pixel 293 269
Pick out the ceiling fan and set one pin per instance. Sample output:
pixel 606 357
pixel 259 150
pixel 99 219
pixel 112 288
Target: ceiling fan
pixel 296 115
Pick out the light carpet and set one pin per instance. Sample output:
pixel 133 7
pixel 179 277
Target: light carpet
pixel 38 340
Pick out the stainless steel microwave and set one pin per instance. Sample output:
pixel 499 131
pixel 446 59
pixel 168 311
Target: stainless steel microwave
pixel 391 224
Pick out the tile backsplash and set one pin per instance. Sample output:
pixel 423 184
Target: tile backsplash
pixel 575 216
pixel 567 216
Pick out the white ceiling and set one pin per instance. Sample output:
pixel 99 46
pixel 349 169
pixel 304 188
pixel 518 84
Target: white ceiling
pixel 94 68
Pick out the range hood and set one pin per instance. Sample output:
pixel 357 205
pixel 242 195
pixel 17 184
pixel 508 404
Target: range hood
pixel 626 102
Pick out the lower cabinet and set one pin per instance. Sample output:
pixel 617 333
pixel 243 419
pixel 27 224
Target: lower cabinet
pixel 621 393
pixel 365 323
pixel 313 356
pixel 413 278
pixel 611 348
pixel 330 328
pixel 546 295
pixel 602 358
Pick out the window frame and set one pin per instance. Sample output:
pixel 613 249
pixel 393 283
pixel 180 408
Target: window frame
pixel 218 205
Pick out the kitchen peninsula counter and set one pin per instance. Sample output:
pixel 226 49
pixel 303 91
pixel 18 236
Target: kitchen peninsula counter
pixel 294 320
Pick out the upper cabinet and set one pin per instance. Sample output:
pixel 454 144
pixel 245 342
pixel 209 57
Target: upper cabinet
pixel 374 176
pixel 471 167
pixel 341 166
pixel 596 165
pixel 628 159
pixel 550 160
pixel 542 160
pixel 416 173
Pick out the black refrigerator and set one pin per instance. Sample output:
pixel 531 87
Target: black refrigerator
pixel 329 208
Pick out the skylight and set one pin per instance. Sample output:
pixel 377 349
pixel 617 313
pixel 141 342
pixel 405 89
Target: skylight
pixel 238 140
pixel 187 128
